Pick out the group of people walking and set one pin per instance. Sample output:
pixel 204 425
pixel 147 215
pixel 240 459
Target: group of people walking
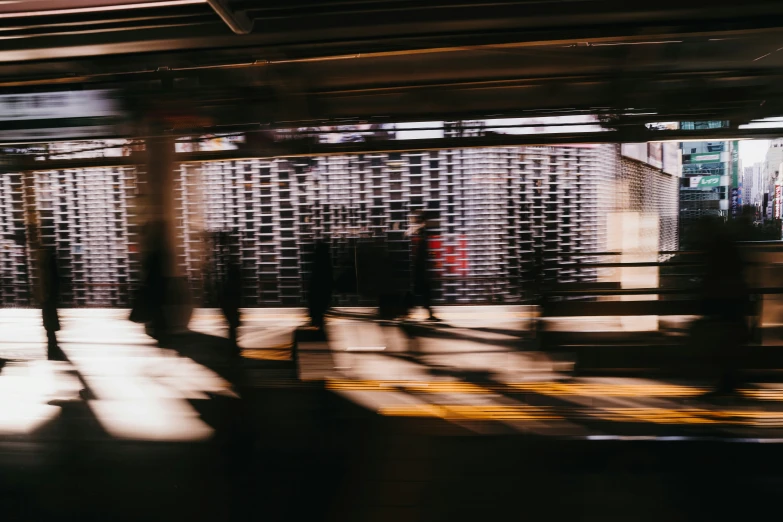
pixel 373 273
pixel 725 295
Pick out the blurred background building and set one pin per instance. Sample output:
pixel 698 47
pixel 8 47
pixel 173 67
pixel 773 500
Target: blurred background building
pixel 753 186
pixel 710 176
pixel 495 207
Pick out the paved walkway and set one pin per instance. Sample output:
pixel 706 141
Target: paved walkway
pixel 127 430
pixel 475 371
pixel 135 389
pixel 478 372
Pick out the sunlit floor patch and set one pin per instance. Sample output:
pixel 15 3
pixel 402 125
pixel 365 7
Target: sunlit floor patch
pixel 23 418
pixel 135 389
pixel 153 419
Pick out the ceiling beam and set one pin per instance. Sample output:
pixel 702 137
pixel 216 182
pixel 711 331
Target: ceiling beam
pixel 306 148
pixel 237 21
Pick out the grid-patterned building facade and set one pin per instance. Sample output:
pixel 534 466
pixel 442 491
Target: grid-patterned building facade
pixel 652 191
pixel 15 271
pixel 84 215
pixel 495 207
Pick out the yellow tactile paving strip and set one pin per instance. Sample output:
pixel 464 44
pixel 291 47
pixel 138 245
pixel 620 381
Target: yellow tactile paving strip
pixel 664 416
pixel 540 387
pixel 751 417
pixel 455 412
pixel 756 418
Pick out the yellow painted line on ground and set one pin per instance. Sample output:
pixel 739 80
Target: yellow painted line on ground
pixel 763 395
pixel 411 386
pixel 251 317
pixel 542 388
pixel 655 415
pixel 692 416
pixel 687 416
pixel 268 354
pixel 607 390
pixel 462 412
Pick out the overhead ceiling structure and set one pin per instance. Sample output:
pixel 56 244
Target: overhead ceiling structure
pixel 300 62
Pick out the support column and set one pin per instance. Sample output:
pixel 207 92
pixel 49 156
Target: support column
pixel 162 197
pixel 161 211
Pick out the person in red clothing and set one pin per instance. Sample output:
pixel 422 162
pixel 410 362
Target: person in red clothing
pixel 422 269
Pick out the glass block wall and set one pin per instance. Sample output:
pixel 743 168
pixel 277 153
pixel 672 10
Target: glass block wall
pixel 495 207
pixel 84 214
pixel 15 269
pixel 654 192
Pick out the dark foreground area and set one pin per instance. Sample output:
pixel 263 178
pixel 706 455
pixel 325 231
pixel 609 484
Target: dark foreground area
pixel 297 464
pixel 385 436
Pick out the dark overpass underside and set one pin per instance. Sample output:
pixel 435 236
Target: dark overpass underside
pixel 309 62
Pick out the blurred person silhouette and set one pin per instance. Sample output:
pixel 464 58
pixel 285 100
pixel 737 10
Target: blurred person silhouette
pixel 230 287
pixel 422 269
pixel 725 301
pixel 540 293
pixel 391 282
pixel 745 229
pixel 50 301
pixel 319 295
pixel 149 307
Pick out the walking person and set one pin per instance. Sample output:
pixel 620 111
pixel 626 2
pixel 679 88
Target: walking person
pixel 319 296
pixel 726 304
pixel 540 294
pixel 50 302
pixel 230 294
pixel 151 296
pixel 422 273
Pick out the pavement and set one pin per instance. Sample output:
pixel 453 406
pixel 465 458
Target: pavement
pixel 477 371
pixel 410 420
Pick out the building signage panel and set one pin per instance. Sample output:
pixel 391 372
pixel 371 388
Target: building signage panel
pixel 734 204
pixel 709 181
pixel 710 157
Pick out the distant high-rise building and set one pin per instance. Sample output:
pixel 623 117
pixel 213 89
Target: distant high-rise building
pixel 774 158
pixel 771 172
pixel 753 184
pixel 704 187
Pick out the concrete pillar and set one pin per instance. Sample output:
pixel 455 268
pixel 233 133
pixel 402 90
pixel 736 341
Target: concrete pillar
pixel 161 208
pixel 162 196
